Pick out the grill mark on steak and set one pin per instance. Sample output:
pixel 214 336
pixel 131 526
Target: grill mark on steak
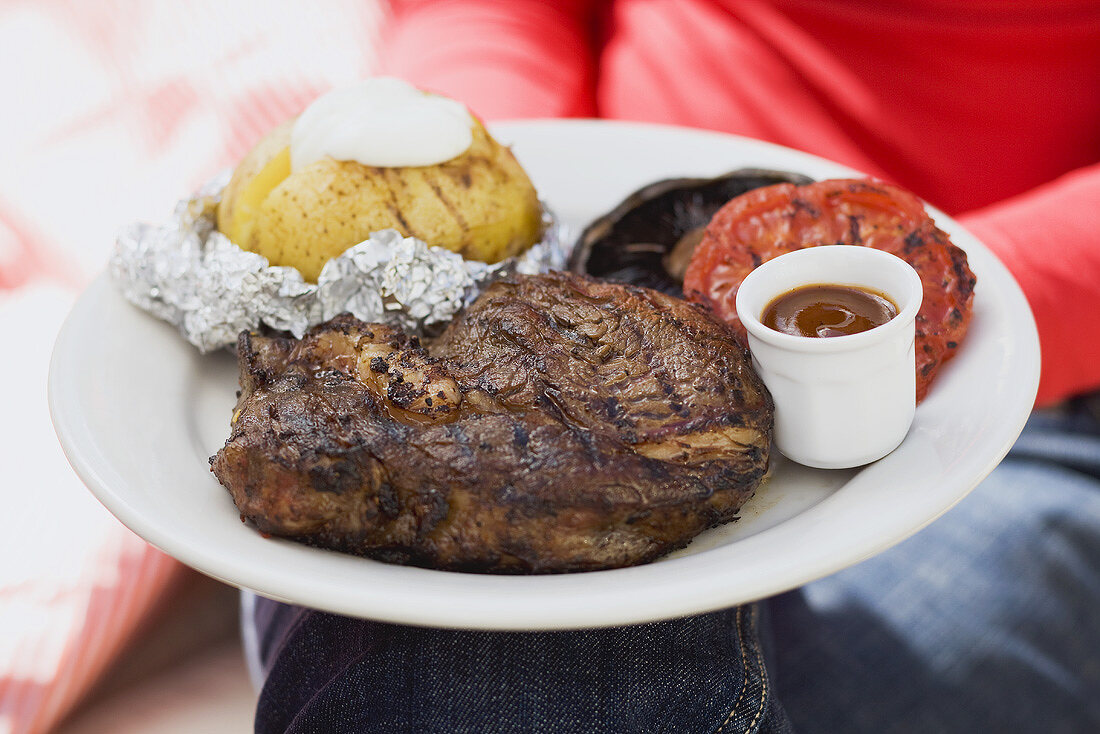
pixel 573 425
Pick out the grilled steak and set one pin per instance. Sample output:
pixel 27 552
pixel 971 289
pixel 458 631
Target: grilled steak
pixel 559 424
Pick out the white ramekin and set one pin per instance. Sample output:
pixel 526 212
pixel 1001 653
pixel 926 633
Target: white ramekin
pixel 840 401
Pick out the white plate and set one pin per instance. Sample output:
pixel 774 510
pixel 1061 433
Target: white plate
pixel 138 412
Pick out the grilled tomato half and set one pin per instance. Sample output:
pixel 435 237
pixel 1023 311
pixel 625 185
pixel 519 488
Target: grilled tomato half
pixel 766 222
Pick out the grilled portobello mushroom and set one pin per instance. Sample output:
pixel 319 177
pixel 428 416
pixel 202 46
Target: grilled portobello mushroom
pixel 648 238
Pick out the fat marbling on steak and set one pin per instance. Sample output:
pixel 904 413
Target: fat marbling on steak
pixel 559 424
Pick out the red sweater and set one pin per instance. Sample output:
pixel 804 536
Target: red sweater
pixel 987 109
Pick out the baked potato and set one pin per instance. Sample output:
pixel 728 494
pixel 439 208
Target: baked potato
pixel 480 204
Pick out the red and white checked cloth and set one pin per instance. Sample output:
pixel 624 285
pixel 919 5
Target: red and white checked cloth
pixel 112 112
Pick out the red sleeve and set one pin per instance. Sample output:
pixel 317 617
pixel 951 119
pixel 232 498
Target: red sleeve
pixel 503 58
pixel 1050 240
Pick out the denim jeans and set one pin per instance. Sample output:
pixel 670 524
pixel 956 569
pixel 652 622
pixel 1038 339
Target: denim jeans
pixel 987 621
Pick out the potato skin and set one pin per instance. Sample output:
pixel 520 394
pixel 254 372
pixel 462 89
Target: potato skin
pixel 480 204
pixel 238 203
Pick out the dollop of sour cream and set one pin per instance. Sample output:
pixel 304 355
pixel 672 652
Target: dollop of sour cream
pixel 381 122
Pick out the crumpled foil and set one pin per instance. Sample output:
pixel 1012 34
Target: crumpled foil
pixel 190 275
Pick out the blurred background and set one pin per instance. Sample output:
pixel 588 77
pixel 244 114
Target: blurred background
pixel 112 112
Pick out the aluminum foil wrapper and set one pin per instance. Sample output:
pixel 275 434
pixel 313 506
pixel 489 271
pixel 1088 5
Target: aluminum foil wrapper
pixel 192 276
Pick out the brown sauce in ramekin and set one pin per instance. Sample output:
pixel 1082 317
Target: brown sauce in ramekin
pixel 825 310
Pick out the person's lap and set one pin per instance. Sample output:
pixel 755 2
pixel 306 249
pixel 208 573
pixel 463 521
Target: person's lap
pixel 987 620
pixel 984 621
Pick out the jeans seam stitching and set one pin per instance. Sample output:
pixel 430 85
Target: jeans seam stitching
pixel 744 667
pixel 763 679
pixel 326 687
pixel 299 622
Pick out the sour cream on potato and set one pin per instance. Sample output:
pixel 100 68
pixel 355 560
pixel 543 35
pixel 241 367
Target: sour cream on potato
pixel 381 122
